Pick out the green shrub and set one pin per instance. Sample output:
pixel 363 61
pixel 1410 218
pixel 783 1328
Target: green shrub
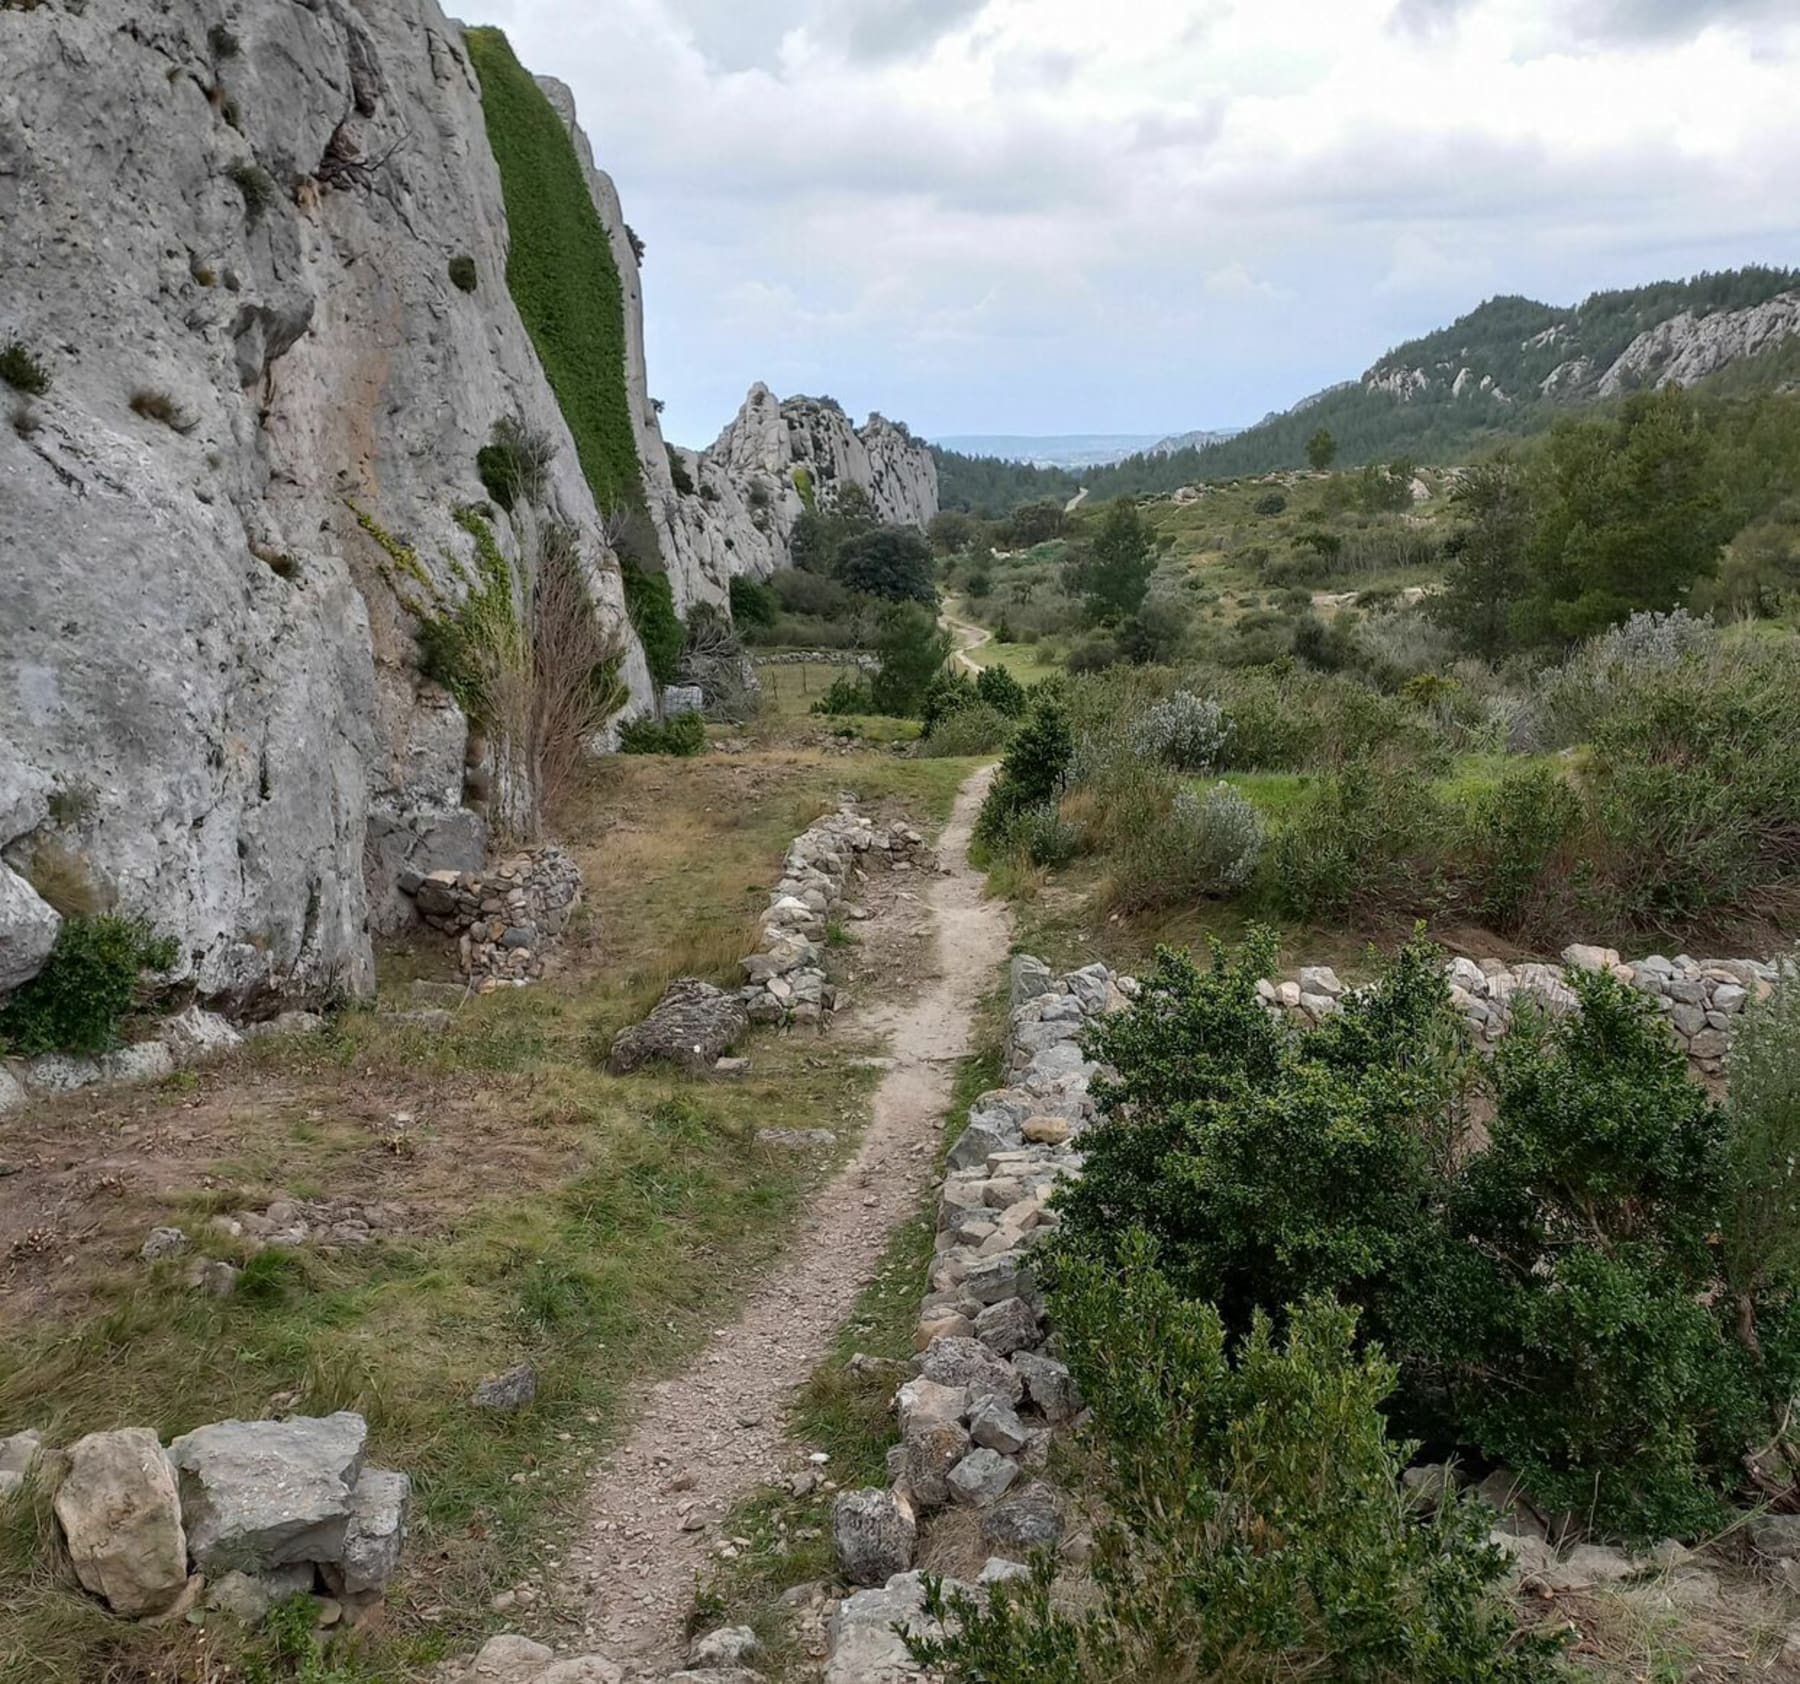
pixel 1040 835
pixel 476 647
pixel 679 476
pixel 1580 1270
pixel 21 370
pixel 1205 846
pixel 849 693
pixel 650 603
pixel 89 982
pixel 1092 654
pixel 976 729
pixel 1035 770
pixel 1366 839
pixel 913 648
pixel 683 735
pixel 1253 1533
pixel 752 602
pixel 1762 1228
pixel 1514 835
pixel 255 184
pixel 1270 503
pixel 514 465
pixel 560 270
pixel 949 692
pixel 463 274
pixel 1002 692
pixel 1183 731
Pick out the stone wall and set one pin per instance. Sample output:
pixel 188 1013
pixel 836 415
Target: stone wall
pixel 785 977
pixel 504 919
pixel 1702 1000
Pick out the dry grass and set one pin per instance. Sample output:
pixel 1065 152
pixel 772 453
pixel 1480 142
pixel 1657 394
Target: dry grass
pixel 598 1226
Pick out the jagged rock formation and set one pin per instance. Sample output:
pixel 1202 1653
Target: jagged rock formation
pixel 1688 347
pixel 253 290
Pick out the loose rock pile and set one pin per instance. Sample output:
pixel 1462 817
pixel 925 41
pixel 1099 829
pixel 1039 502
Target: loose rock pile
pixel 504 919
pixel 1701 999
pixel 786 978
pixel 235 1516
pixel 977 1417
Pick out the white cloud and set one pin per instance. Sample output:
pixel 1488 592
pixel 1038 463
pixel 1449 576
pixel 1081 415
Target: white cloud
pixel 1043 215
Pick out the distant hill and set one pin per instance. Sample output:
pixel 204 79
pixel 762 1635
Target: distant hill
pixel 1054 450
pixel 1198 440
pixel 1506 369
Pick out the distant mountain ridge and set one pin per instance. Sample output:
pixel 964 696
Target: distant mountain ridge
pixel 1507 368
pixel 1052 450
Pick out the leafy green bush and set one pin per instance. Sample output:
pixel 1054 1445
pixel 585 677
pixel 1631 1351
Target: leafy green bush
pixel 650 603
pixel 464 276
pixel 560 270
pixel 21 370
pixel 913 649
pixel 1270 503
pixel 89 982
pixel 849 693
pixel 1185 731
pixel 949 692
pixel 1002 692
pixel 1552 1287
pixel 683 735
pixel 891 562
pixel 513 466
pixel 474 647
pixel 752 602
pixel 1514 834
pixel 1762 1228
pixel 679 477
pixel 1035 769
pixel 1364 839
pixel 1253 1530
pixel 977 729
pixel 1206 845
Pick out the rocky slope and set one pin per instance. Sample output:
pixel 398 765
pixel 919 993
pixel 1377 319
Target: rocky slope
pixel 259 271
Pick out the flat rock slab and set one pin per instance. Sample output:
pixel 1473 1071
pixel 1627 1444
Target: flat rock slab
pixel 692 1026
pixel 260 1494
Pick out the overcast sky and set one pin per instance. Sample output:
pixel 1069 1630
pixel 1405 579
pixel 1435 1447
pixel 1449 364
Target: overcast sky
pixel 1052 216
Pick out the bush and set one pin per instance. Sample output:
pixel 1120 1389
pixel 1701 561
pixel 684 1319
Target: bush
pixel 1001 691
pixel 892 562
pixel 752 603
pixel 89 982
pixel 1035 769
pixel 683 735
pixel 153 405
pixel 1253 1531
pixel 913 649
pixel 950 692
pixel 1093 654
pixel 1514 835
pixel 849 693
pixel 679 477
pixel 513 466
pixel 1184 732
pixel 1270 503
pixel 1205 846
pixel 1366 839
pixel 1040 835
pixel 650 603
pixel 463 274
pixel 21 370
pixel 255 184
pixel 976 729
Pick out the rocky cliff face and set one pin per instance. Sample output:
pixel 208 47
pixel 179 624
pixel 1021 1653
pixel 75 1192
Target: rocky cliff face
pixel 229 250
pixel 1688 347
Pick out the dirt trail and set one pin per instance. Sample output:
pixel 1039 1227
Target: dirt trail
pixel 711 1435
pixel 968 636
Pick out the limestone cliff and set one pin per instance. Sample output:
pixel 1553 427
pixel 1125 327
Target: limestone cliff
pixel 229 249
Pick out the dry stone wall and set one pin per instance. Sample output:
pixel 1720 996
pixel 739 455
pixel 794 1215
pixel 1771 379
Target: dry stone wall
pixel 504 919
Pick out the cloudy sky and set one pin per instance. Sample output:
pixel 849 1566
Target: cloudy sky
pixel 1048 216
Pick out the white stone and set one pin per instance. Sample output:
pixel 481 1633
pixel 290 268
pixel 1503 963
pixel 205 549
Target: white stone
pixel 121 1520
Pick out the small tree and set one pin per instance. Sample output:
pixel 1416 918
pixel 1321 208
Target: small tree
pixel 1321 450
pixel 952 532
pixel 1114 575
pixel 913 649
pixel 1036 768
pixel 1487 578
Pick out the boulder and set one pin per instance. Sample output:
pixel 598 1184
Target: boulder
pixel 998 1428
pixel 163 1242
pixel 981 1478
pixel 121 1517
pixel 19 1457
pixel 28 930
pixel 865 1641
pixel 872 1534
pixel 927 1454
pixel 1031 977
pixel 1025 1520
pixel 193 1034
pixel 249 1596
pixel 1011 1325
pixel 260 1494
pixel 692 1026
pixel 728 1646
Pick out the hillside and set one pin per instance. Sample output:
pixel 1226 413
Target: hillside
pixel 1506 369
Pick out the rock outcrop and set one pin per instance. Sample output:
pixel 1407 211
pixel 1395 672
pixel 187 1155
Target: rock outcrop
pixel 228 248
pixel 1688 347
